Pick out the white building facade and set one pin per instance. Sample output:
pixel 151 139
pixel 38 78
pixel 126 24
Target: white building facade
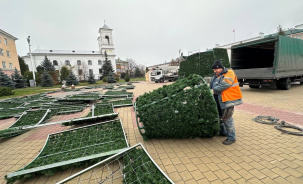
pixel 82 63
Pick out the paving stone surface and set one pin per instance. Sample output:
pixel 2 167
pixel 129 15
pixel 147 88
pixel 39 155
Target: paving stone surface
pixel 261 154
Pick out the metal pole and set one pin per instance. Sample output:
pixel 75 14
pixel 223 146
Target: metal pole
pixel 30 55
pixel 93 110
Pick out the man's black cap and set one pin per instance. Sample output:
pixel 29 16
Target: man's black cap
pixel 216 65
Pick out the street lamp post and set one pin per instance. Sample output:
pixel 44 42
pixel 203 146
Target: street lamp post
pixel 30 55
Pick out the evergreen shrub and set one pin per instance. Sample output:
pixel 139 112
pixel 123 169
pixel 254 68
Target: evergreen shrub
pixel 126 78
pixel 6 91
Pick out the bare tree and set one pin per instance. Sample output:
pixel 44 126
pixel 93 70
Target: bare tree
pixel 142 69
pixel 280 30
pixel 176 62
pixel 82 70
pixel 130 67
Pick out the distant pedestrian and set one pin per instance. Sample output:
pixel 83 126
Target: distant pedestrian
pixel 227 93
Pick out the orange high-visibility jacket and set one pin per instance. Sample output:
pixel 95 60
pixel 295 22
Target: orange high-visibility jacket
pixel 227 87
pixel 233 92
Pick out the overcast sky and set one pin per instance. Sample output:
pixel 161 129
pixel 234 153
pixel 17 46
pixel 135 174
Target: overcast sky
pixel 150 32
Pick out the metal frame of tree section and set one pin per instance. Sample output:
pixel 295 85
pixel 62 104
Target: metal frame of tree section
pixel 109 160
pixel 120 105
pixel 75 121
pixel 119 96
pixel 67 162
pixel 123 105
pixel 86 96
pixel 25 112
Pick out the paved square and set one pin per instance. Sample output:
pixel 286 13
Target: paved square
pixel 261 154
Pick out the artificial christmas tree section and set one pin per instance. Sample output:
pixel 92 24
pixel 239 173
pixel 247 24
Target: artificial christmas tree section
pixel 11 132
pixel 30 118
pixel 88 96
pixel 221 55
pixel 8 113
pixel 134 165
pixel 127 87
pixel 98 112
pixel 118 94
pixel 74 147
pixel 201 63
pixel 101 109
pixel 122 103
pixel 183 109
pixel 10 104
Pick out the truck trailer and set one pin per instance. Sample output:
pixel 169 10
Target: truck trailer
pixel 273 61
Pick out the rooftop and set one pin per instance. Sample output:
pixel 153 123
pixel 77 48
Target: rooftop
pixel 38 51
pixel 105 27
pixel 120 61
pixel 8 35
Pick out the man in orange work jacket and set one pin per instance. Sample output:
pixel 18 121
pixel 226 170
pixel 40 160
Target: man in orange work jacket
pixel 227 94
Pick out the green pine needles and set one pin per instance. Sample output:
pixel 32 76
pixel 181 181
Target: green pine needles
pixel 5 80
pixel 183 109
pixel 18 79
pixel 47 80
pixel 71 79
pixel 111 78
pixel 73 147
pixel 91 79
pixel 29 118
pixel 201 63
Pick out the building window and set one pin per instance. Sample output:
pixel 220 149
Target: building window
pixel 11 65
pixel 1 52
pixel 79 62
pixel 55 62
pixel 80 72
pixel 5 41
pixel 91 72
pixel 8 54
pixel 100 71
pixel 99 62
pixel 3 64
pixel 107 38
pixel 90 62
pixel 67 62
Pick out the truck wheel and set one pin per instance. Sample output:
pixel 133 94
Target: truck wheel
pixel 156 81
pixel 253 86
pixel 279 86
pixel 285 84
